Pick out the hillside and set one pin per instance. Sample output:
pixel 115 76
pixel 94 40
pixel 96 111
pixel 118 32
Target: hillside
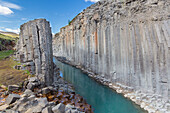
pixel 7 42
pixel 10 34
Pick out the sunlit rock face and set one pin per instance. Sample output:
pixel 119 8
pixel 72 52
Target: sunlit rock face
pixel 126 42
pixel 34 48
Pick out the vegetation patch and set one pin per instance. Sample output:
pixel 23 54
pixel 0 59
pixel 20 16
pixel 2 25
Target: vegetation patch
pixel 7 42
pixel 9 75
pixel 7 37
pixel 4 54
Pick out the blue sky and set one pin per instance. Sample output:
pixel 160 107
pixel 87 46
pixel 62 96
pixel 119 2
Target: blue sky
pixel 14 13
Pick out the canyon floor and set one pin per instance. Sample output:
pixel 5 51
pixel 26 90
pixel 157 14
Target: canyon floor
pixel 9 75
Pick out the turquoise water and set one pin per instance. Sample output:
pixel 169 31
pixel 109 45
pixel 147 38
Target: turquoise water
pixel 102 98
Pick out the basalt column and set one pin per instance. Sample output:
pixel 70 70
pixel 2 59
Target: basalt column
pixel 126 43
pixel 34 48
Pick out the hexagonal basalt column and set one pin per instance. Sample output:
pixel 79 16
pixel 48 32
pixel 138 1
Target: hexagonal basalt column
pixel 35 45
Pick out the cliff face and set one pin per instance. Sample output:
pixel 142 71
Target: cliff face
pixel 124 42
pixel 34 48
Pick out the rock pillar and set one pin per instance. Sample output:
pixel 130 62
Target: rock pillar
pixel 34 48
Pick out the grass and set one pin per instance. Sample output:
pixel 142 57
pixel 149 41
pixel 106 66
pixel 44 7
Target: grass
pixel 27 72
pixel 6 37
pixel 13 36
pixel 9 75
pixel 4 54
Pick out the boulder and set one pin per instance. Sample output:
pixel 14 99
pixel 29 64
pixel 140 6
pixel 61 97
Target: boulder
pixel 20 102
pixel 31 85
pixel 33 79
pixel 69 107
pixel 37 109
pixel 12 98
pixel 32 105
pixel 27 106
pixel 4 87
pixel 61 81
pixel 74 111
pixel 33 82
pixel 51 104
pixel 68 111
pixel 29 111
pixel 4 107
pixel 24 84
pixel 60 108
pixel 28 92
pixel 6 93
pixel 47 110
pixel 11 111
pixel 42 102
pixel 47 90
pixel 13 87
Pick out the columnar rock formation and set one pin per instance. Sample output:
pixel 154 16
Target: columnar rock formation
pixel 124 42
pixel 34 48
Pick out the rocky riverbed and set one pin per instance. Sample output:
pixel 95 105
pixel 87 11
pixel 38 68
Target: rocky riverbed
pixel 32 97
pixel 149 102
pixel 124 42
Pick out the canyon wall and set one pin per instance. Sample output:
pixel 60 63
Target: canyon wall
pixel 34 49
pixel 124 42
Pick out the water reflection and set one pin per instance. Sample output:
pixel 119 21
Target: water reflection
pixel 102 99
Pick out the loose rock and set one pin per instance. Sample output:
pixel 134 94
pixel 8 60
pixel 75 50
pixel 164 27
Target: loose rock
pixel 13 87
pixel 47 110
pixel 60 108
pixel 12 98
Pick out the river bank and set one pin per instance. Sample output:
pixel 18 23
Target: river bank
pixel 148 102
pixel 32 96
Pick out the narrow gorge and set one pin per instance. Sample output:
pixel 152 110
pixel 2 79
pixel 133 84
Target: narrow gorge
pixel 113 57
pixel 126 44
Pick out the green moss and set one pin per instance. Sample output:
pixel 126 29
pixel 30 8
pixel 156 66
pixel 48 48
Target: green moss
pixel 4 54
pixel 27 72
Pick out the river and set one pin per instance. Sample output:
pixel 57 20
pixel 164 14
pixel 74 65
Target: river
pixel 102 98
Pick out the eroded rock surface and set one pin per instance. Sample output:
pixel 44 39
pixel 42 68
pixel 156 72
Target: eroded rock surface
pixel 34 48
pixel 124 43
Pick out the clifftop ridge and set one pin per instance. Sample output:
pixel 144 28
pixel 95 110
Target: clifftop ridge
pixel 125 10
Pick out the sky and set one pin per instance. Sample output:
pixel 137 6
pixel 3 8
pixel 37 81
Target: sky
pixel 14 13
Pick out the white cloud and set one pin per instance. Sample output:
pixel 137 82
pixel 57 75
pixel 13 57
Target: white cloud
pixel 9 30
pixel 10 5
pixel 5 8
pixel 92 0
pixel 12 30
